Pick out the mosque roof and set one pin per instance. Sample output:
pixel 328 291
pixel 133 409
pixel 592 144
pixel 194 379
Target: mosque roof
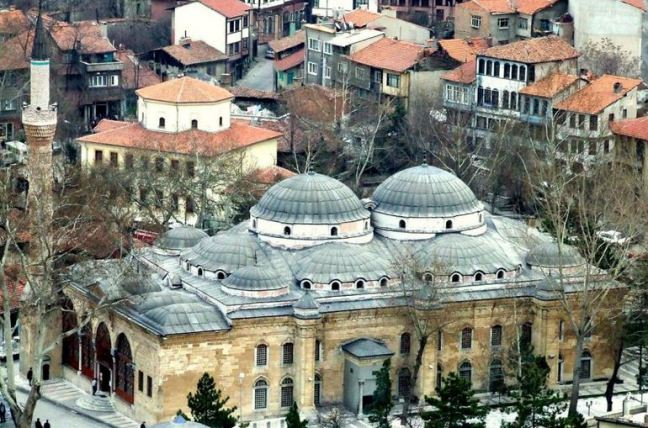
pixel 367 348
pixel 255 278
pixel 224 251
pixel 550 254
pixel 342 262
pixel 180 238
pixel 310 198
pixel 425 191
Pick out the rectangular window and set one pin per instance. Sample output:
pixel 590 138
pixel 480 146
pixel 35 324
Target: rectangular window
pixel 191 169
pixel 99 80
pixel 9 104
pixel 592 148
pixel 625 113
pixel 129 161
pixel 145 163
pixel 593 125
pixel 327 73
pixel 114 80
pixel 233 48
pixel 190 207
pixel 98 156
pixel 561 330
pixel 439 340
pixel 475 21
pixel 342 67
pixel 288 354
pixel 261 355
pixel 245 22
pixel 360 73
pixel 159 164
pixel 260 398
pixel 149 386
pixel 174 202
pixel 328 48
pixel 234 26
pixel 393 80
pixel 314 45
pixel 312 68
pixel 175 165
pixel 523 23
pixel 496 336
pixel 572 121
pixel 159 198
pixel 140 381
pixel 114 159
pixel 318 346
pixel 503 23
pixel 143 196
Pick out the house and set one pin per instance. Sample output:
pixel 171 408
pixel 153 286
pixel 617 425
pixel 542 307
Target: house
pixel 196 55
pixel 222 24
pixel 277 18
pixel 623 22
pixel 387 22
pixel 505 20
pixel 135 75
pixel 631 144
pixel 288 60
pixel 326 10
pixel 14 68
pixel 12 22
pixel 180 121
pixel 326 46
pixel 463 50
pixel 430 13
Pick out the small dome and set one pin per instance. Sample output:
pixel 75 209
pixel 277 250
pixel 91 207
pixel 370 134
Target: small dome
pixel 456 252
pixel 342 262
pixel 179 422
pixel 306 307
pixel 425 191
pixel 225 251
pixel 180 238
pixel 255 278
pixel 310 199
pixel 550 255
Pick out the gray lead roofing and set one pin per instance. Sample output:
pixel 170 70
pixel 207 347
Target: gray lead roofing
pixel 425 191
pixel 224 251
pixel 367 348
pixel 310 199
pixel 180 238
pixel 255 278
pixel 549 254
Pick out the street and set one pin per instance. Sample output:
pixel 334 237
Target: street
pixel 260 75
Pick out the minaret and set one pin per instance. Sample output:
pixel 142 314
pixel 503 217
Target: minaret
pixel 39 123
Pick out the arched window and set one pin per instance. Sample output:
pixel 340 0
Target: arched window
pixel 405 343
pixel 87 352
pixel 449 224
pixel 585 370
pixel 496 69
pixel 455 277
pixel 482 67
pixel 495 376
pixel 287 392
pixel 200 271
pixel 489 67
pixel 194 124
pixel 384 281
pixel 221 275
pixel 402 224
pixel 466 338
pixel 260 394
pixel 500 274
pixel 287 353
pixel 479 276
pixel 317 389
pixel 507 70
pixel 125 376
pixel 360 283
pixel 366 227
pixel 496 336
pixel 505 99
pixel 335 285
pixel 522 73
pixel 220 121
pixel 306 284
pixel 514 72
pixel 428 277
pixel 161 123
pixel 253 223
pixel 465 371
pixel 262 355
pixel 334 231
pixel 439 377
pixel 561 363
pixel 514 103
pixel 318 349
pixel 404 381
pixel 104 357
pixel 287 231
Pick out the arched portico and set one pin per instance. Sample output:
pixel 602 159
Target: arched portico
pixel 104 360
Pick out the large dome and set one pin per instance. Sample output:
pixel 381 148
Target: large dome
pixel 425 191
pixel 310 199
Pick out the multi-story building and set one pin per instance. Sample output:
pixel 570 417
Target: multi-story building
pixel 505 20
pixel 387 22
pixel 288 60
pixel 12 22
pixel 432 13
pixel 631 144
pixel 222 24
pixel 275 19
pixel 188 55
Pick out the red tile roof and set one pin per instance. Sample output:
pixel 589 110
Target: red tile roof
pixel 598 95
pixel 194 52
pixel 13 21
pixel 465 73
pixel 492 6
pixel 285 43
pixel 227 8
pixel 530 7
pixel 639 4
pixel 535 50
pixel 272 174
pixel 291 61
pixel 633 128
pixel 134 135
pixel 464 50
pixel 16 51
pixel 550 86
pixel 108 124
pixel 360 17
pixel 136 74
pixel 244 92
pixel 185 90
pixel 85 36
pixel 389 54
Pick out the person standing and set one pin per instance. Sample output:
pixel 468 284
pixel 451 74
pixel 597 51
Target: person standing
pixel 38 423
pixel 3 410
pixel 94 386
pixel 30 375
pixel 143 425
pixel 47 424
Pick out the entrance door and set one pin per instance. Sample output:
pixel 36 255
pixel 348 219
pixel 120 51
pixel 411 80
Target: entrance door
pixel 104 378
pixel 46 371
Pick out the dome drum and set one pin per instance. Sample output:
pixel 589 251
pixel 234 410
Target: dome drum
pixel 476 278
pixel 338 285
pixel 419 228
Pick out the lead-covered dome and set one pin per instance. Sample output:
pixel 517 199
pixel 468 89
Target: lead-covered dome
pixel 425 191
pixel 310 209
pixel 255 281
pixel 180 238
pixel 223 252
pixel 551 255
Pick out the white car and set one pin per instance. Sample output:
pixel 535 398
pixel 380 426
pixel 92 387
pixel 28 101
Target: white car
pixel 613 237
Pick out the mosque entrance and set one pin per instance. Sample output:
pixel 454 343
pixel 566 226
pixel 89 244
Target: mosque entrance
pixel 104 378
pixel 104 358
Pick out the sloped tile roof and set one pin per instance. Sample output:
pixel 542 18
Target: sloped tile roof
pixel 227 8
pixel 550 86
pixel 535 50
pixel 464 50
pixel 136 74
pixel 194 52
pixel 389 54
pixel 598 95
pixel 492 6
pixel 529 7
pixel 16 51
pixel 633 128
pixel 360 17
pixel 289 42
pixel 291 61
pixel 272 174
pixel 134 135
pixel 185 90
pixel 86 35
pixel 108 124
pixel 639 4
pixel 465 73
pixel 13 21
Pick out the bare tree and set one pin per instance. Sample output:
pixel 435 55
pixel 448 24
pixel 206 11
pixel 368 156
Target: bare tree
pixel 606 57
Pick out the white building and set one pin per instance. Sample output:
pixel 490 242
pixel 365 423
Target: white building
pixel 324 10
pixel 222 24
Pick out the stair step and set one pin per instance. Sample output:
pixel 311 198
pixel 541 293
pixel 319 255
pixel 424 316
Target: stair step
pixel 95 403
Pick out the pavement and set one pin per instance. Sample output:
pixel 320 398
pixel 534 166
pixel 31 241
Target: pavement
pixel 260 75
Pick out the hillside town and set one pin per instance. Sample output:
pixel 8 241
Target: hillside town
pixel 324 213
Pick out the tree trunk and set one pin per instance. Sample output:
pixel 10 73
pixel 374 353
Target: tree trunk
pixel 609 389
pixel 415 373
pixel 27 415
pixel 575 390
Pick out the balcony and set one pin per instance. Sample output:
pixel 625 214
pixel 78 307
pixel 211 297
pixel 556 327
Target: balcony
pixel 96 67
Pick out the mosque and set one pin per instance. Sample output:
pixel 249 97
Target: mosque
pixel 306 299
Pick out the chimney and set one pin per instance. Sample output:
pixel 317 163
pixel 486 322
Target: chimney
pixel 583 73
pixel 185 42
pixel 618 87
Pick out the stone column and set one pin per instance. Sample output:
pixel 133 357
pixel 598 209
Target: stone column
pixel 80 358
pixel 360 403
pixel 113 372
